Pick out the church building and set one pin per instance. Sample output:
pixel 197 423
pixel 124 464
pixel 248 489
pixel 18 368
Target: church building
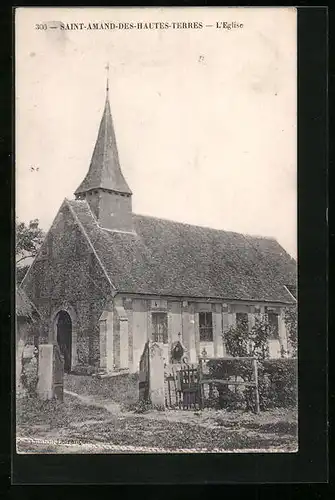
pixel 106 279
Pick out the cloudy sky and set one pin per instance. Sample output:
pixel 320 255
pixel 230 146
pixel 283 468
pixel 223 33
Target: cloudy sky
pixel 205 119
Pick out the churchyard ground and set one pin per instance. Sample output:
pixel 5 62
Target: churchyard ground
pixel 86 424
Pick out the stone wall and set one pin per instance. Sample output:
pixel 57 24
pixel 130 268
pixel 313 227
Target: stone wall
pixel 183 325
pixel 66 275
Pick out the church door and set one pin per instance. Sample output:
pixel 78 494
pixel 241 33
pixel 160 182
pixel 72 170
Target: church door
pixel 64 338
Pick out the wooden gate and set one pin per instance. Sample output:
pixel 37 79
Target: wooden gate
pixel 182 388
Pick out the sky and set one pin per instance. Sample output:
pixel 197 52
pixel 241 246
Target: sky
pixel 205 119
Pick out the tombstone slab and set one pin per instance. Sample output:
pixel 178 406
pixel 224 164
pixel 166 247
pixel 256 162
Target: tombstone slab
pixel 156 384
pixel 45 372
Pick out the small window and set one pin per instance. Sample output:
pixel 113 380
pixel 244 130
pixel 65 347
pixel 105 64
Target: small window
pixel 206 326
pixel 242 322
pixel 159 327
pixel 273 322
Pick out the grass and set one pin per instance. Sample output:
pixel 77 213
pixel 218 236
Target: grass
pixel 80 422
pixel 32 414
pixel 281 421
pixel 121 389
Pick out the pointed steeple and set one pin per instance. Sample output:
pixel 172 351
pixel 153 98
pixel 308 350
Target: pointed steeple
pixel 104 186
pixel 105 171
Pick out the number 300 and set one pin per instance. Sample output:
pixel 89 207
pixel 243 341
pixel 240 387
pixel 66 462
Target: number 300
pixel 40 26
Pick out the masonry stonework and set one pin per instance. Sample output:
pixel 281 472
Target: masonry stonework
pixel 61 279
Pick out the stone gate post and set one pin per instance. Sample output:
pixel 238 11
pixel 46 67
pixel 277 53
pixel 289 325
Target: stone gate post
pixel 156 377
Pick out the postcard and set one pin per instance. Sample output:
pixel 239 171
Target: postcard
pixel 156 230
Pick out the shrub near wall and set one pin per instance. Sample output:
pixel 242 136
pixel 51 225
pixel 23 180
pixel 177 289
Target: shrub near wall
pixel 231 397
pixel 278 383
pixel 277 378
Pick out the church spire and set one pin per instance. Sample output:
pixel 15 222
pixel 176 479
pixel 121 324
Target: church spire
pixel 105 171
pixel 104 176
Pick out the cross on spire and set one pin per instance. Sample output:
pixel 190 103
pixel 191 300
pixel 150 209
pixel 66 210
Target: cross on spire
pixel 107 71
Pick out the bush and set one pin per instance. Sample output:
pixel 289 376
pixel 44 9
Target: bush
pixel 224 369
pixel 29 375
pixel 278 383
pixel 291 321
pixel 234 369
pixel 240 341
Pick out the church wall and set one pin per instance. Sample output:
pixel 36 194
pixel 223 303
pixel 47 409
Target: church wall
pixel 66 275
pixel 175 329
pixel 116 341
pixel 139 329
pixel 183 319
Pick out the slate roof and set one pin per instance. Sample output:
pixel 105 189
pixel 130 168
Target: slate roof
pixel 104 171
pixel 163 257
pixel 25 308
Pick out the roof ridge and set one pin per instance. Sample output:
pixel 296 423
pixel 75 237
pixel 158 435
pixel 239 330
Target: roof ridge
pixel 269 238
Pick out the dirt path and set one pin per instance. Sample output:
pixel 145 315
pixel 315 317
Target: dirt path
pixel 187 417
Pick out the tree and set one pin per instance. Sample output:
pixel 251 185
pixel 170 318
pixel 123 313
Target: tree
pixel 242 342
pixel 237 340
pixel 29 238
pixel 291 322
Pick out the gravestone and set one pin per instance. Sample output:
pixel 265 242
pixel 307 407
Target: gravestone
pixel 45 369
pixel 50 372
pixel 156 382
